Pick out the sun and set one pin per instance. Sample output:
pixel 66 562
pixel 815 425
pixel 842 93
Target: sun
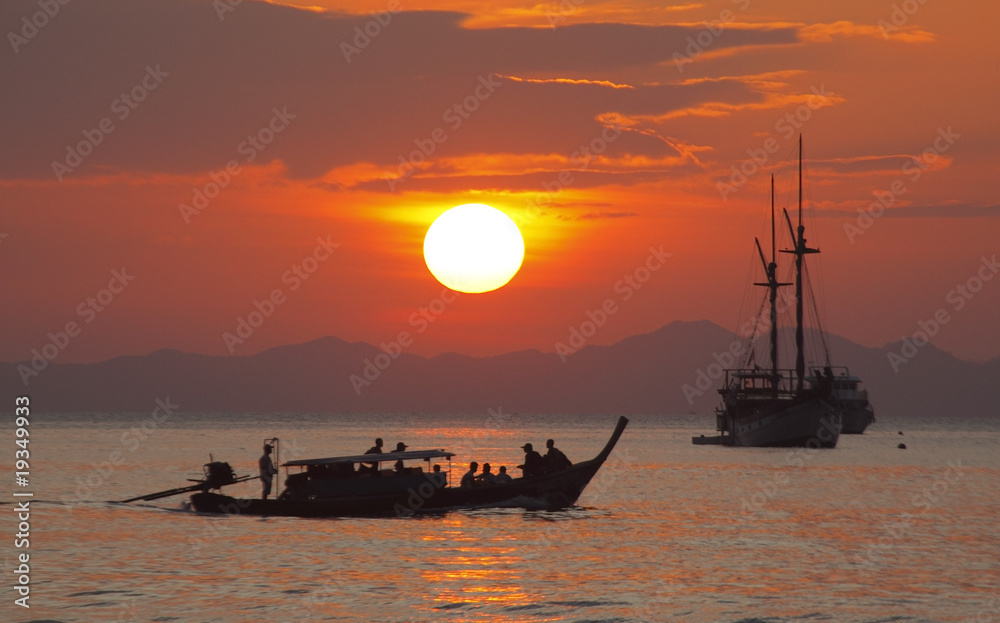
pixel 473 248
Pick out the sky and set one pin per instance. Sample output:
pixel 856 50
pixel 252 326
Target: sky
pixel 170 168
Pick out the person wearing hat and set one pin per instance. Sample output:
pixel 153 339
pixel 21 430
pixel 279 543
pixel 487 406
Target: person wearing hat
pixel 400 447
pixel 555 460
pixel 533 463
pixel 267 471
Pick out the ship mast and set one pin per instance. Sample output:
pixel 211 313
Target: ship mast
pixel 800 250
pixel 771 269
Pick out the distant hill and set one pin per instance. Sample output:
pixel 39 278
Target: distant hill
pixel 640 374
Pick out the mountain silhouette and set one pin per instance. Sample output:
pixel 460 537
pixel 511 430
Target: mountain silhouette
pixel 674 369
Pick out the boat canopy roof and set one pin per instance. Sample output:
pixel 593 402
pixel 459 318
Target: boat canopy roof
pixel 373 458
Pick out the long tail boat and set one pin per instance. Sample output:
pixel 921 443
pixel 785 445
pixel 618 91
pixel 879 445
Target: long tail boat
pixel 357 485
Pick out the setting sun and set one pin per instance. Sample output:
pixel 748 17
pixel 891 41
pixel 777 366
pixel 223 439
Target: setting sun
pixel 473 248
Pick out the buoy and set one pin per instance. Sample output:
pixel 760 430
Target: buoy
pixel 902 446
pixel 900 432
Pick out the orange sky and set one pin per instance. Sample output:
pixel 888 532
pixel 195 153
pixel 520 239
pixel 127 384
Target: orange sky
pixel 534 83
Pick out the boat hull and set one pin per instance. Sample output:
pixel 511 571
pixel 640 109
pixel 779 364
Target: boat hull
pixel 856 419
pixel 804 422
pixel 545 492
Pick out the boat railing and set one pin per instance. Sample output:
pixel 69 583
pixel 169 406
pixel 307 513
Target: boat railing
pixel 750 381
pixel 838 371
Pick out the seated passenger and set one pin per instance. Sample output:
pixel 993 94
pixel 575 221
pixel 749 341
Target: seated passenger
pixel 487 478
pixel 376 449
pixel 469 479
pixel 555 460
pixel 398 468
pixel 503 477
pixel 438 478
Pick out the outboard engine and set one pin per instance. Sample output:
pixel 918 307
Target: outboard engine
pixel 218 474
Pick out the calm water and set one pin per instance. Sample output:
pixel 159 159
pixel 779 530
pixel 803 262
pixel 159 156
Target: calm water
pixel 667 531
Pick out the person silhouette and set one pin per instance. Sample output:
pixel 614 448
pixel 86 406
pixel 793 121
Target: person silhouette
pixel 487 478
pixel 533 463
pixel 400 447
pixel 267 471
pixel 469 479
pixel 376 449
pixel 503 477
pixel 439 478
pixel 555 460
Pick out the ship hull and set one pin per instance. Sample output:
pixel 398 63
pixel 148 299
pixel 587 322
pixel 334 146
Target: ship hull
pixel 812 422
pixel 856 419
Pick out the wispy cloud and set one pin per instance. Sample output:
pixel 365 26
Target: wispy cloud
pixel 877 164
pixel 601 83
pixel 824 33
pixel 593 216
pixel 923 211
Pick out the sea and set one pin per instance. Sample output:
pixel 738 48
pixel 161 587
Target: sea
pixel 667 530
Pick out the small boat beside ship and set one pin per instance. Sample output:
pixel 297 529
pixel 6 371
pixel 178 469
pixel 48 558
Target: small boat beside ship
pixel 856 412
pixel 357 485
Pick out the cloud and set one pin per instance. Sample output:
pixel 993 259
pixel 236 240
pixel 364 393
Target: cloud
pixel 924 211
pixel 602 83
pixel 221 82
pixel 592 216
pixel 891 163
pixel 824 33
